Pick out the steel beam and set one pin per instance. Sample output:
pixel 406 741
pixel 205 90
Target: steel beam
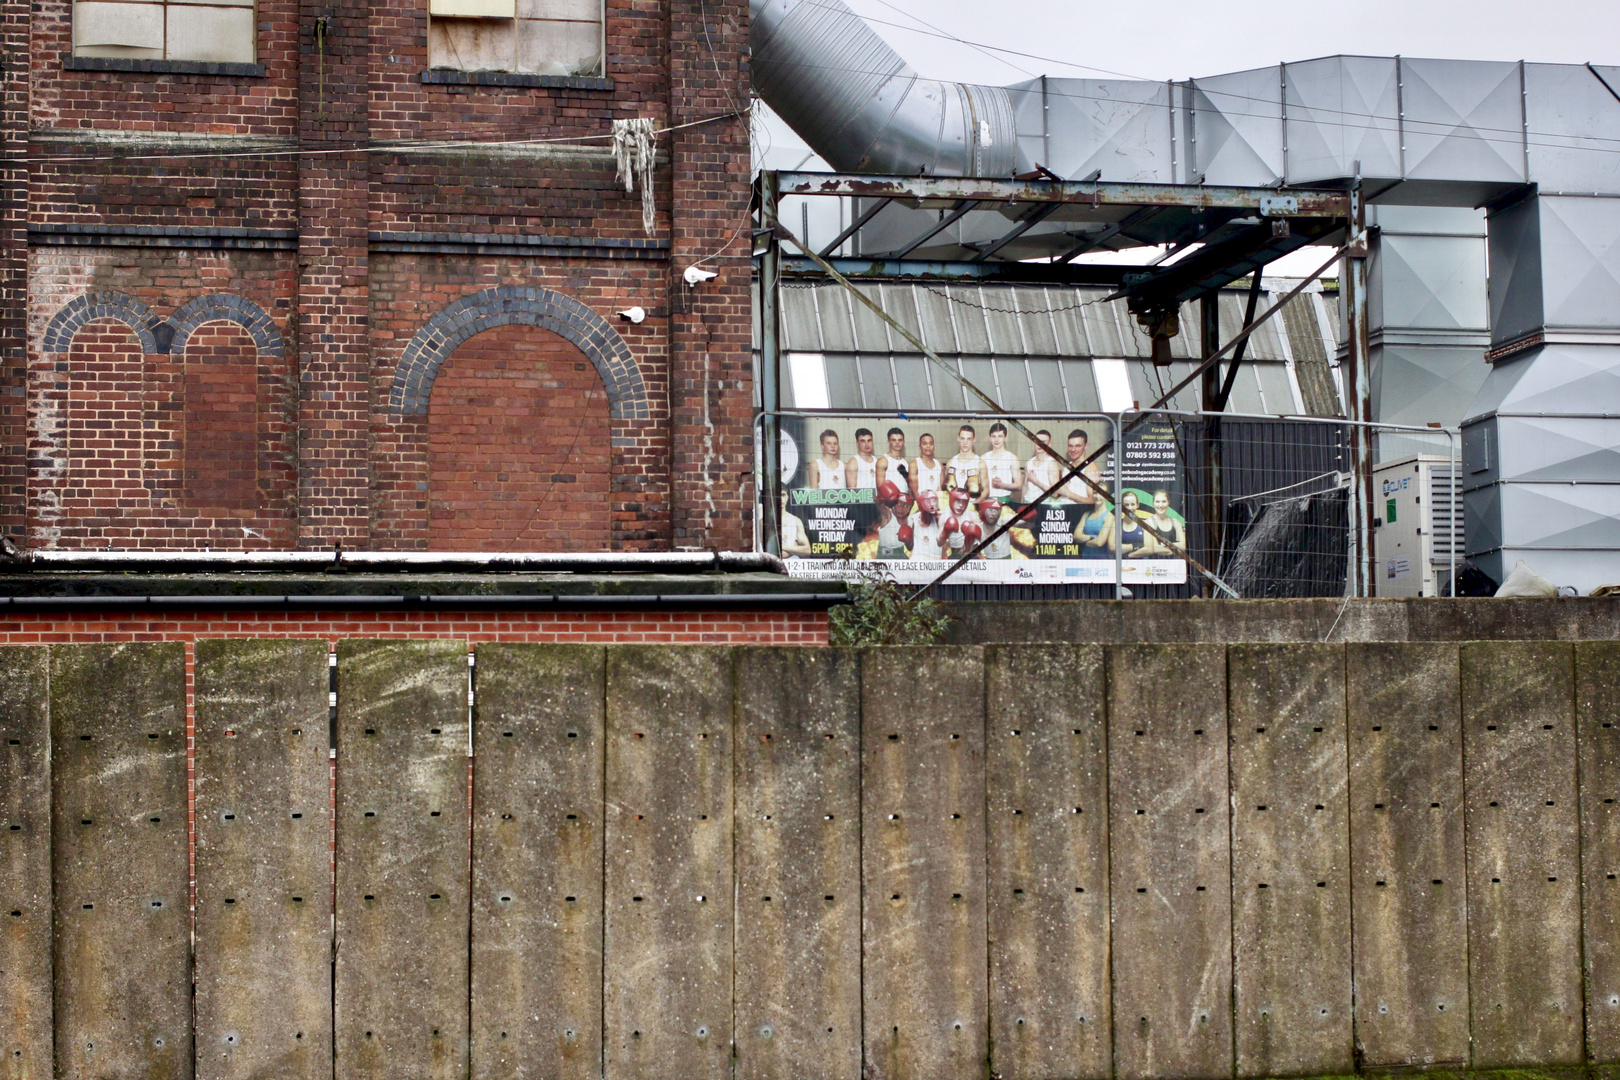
pixel 1036 273
pixel 1312 202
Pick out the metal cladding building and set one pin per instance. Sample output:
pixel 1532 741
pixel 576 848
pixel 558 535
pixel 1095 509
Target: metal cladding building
pixel 1451 166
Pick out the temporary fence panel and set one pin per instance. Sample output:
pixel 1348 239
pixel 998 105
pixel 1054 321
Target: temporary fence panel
pixel 537 862
pixel 1407 856
pixel 264 883
pixel 400 994
pixel 1047 811
pixel 922 852
pixel 122 925
pixel 668 867
pixel 798 857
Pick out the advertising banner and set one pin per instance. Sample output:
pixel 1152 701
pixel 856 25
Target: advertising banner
pixel 912 495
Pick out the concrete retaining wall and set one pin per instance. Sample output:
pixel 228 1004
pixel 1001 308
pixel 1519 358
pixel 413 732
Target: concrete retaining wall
pixel 1026 861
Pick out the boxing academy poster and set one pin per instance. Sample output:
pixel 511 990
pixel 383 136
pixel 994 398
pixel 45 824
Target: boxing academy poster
pixel 912 495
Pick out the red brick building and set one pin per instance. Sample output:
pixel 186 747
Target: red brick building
pixel 291 274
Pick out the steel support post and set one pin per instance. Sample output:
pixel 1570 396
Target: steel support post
pixel 1209 338
pixel 1358 358
pixel 770 367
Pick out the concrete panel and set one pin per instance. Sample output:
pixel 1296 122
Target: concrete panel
pixel 922 852
pixel 264 894
pixel 1290 861
pixel 1524 948
pixel 402 865
pixel 668 942
pixel 1597 704
pixel 1406 835
pixel 1046 763
pixel 212 35
pixel 123 933
pixel 1170 857
pixel 798 829
pixel 25 865
pixel 537 862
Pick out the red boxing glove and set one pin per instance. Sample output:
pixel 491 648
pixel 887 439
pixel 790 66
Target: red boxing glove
pixel 972 533
pixel 888 492
pixel 950 525
pixel 905 534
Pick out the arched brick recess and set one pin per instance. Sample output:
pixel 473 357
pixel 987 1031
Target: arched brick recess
pixel 519 446
pixel 152 331
pixel 102 492
pixel 527 306
pixel 227 307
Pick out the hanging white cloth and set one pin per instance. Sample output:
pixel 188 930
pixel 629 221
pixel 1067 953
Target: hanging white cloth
pixel 635 149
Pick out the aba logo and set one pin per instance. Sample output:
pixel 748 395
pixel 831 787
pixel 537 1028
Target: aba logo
pixel 1024 573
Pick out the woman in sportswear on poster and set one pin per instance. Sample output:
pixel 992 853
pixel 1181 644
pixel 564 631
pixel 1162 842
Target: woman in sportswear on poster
pixel 1129 534
pixel 1095 532
pixel 1167 527
pixel 829 470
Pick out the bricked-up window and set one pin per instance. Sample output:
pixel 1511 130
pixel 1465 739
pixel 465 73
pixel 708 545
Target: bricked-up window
pixel 216 31
pixel 533 37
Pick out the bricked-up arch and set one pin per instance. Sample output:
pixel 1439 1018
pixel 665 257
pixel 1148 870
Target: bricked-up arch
pixel 527 306
pixel 227 307
pixel 154 333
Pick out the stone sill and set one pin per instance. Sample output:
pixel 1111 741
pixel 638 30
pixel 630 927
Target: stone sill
pixel 159 67
pixel 515 79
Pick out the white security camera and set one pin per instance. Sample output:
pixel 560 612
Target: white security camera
pixel 696 275
pixel 636 315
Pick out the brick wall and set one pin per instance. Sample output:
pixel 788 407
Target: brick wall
pixel 319 197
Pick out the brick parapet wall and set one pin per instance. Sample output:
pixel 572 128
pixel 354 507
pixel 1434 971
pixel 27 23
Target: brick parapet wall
pixel 352 254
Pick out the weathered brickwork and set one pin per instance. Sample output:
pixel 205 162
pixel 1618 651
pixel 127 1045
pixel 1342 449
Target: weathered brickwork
pixel 265 305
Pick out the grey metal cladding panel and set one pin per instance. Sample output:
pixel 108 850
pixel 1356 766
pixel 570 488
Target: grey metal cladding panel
pixel 1463 120
pixel 1035 305
pixel 967 314
pixel 1117 125
pixel 1082 385
pixel 1266 342
pixel 877 383
pixel 1103 331
pixel 1548 380
pixel 1341 110
pixel 1584 517
pixel 1515 264
pixel 1452 220
pixel 1046 385
pixel 1433 282
pixel 1421 384
pixel 1002 317
pixel 934 309
pixel 843 384
pixel 871 333
pixel 1482 520
pixel 1557 449
pixel 1580 262
pixel 1573 123
pixel 982 374
pixel 800 329
pixel 1013 382
pixel 1068 320
pixel 833 304
pixel 1240 130
pixel 899 304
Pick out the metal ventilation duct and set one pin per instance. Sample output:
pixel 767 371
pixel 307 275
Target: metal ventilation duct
pixel 863 108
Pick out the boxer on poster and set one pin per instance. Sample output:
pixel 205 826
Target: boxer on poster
pixel 923 531
pixel 966 469
pixel 794 539
pixel 927 474
pixel 862 470
pixel 892 465
pixel 893 502
pixel 828 470
pixel 962 527
pixel 1041 471
pixel 1077 492
pixel 990 516
pixel 1001 466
